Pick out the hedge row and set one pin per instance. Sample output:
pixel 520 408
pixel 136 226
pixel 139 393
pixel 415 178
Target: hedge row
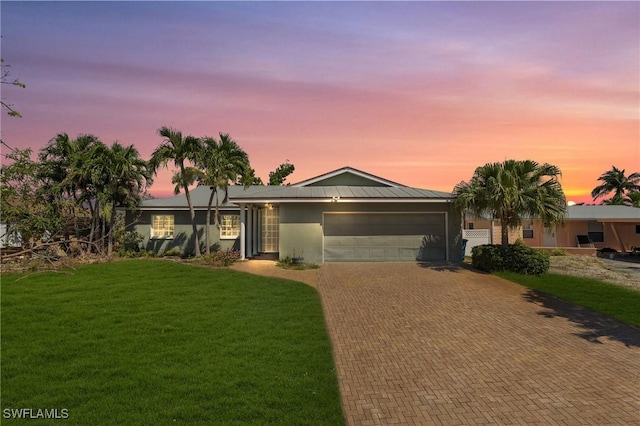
pixel 515 257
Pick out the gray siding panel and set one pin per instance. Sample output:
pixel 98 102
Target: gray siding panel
pixel 183 232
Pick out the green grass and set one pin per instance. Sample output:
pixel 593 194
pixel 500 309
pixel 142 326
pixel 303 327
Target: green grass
pixel 153 342
pixel 615 301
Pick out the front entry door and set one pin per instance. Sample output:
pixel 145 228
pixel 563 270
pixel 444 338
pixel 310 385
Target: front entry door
pixel 270 226
pixel 549 237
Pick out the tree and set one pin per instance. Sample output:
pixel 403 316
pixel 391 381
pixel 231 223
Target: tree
pixel 74 187
pixel 248 177
pixel 512 191
pixel 5 79
pixel 633 199
pixel 126 176
pixel 615 181
pixel 276 177
pixel 72 178
pixel 279 175
pixel 86 181
pixel 191 175
pixel 23 208
pixel 222 162
pixel 180 150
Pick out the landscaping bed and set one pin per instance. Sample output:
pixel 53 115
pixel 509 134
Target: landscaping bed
pixel 591 267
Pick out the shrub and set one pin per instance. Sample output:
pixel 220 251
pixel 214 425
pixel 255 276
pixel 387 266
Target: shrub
pixel 173 252
pixel 525 260
pixel 122 252
pixel 487 257
pixel 559 252
pixel 135 253
pixel 286 261
pixel 222 258
pixel 515 257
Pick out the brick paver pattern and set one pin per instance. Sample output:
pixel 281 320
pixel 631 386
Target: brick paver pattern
pixel 443 345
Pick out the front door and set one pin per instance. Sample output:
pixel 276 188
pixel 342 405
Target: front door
pixel 270 225
pixel 549 236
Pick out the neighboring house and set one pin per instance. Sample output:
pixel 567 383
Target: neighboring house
pixel 9 240
pixel 479 230
pixel 616 227
pixel 343 215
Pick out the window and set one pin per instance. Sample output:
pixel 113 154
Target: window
pixel 637 229
pixel 162 226
pixel 596 231
pixel 527 229
pixel 470 225
pixel 229 226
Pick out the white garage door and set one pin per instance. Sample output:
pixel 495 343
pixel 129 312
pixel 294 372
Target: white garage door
pixel 379 237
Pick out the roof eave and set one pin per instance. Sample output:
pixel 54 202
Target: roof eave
pixel 340 200
pixel 186 208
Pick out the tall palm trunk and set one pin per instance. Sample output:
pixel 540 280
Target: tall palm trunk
pixel 104 234
pixel 76 227
pixel 94 222
pixel 504 233
pixel 112 222
pixel 207 231
pixel 192 212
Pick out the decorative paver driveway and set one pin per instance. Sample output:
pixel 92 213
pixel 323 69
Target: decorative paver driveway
pixel 445 345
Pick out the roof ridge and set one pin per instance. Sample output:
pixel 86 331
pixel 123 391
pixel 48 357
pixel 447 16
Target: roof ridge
pixel 346 169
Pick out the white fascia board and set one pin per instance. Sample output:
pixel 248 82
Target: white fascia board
pixel 157 208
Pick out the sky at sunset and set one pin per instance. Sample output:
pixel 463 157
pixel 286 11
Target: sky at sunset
pixel 417 92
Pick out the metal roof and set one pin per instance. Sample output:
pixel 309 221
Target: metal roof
pixel 262 194
pixel 199 197
pixel 603 212
pixel 344 193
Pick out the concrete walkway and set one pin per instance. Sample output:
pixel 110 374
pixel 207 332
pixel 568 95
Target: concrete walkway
pixel 268 268
pixel 442 345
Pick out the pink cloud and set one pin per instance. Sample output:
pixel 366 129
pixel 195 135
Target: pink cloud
pixel 422 105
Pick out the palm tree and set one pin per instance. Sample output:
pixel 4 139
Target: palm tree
pixel 86 180
pixel 179 150
pixel 633 199
pixel 223 162
pixel 615 181
pixel 191 176
pixel 69 172
pixel 512 191
pixel 127 176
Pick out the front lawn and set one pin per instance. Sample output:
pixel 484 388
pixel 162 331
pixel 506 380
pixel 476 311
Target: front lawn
pixel 615 301
pixel 155 342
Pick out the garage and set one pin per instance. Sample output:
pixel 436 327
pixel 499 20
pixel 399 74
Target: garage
pixel 360 237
